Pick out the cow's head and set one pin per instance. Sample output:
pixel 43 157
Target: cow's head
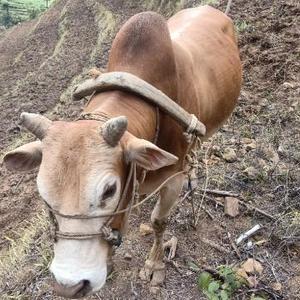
pixel 82 170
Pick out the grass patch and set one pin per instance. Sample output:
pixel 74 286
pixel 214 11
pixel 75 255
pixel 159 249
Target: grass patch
pixel 210 2
pixel 18 141
pixel 30 245
pixel 106 22
pixel 241 26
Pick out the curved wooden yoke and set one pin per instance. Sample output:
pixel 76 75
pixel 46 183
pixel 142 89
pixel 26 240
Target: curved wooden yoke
pixel 128 82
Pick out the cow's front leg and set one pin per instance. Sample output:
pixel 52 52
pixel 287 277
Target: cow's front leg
pixel 154 269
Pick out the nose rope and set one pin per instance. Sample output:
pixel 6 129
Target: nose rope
pixel 106 232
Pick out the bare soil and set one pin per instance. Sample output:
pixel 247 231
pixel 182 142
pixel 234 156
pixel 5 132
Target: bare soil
pixel 42 59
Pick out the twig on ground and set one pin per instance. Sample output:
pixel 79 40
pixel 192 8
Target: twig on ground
pixel 208 213
pixel 213 272
pixel 214 245
pixel 133 289
pixel 174 265
pixel 221 193
pixel 234 247
pixel 19 182
pixel 205 183
pixel 248 206
pixel 251 207
pixel 263 287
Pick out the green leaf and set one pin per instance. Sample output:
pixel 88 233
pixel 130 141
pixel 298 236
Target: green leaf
pixel 224 295
pixel 193 266
pixel 204 280
pixel 213 286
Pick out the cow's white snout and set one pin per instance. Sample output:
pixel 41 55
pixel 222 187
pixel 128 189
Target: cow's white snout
pixel 80 266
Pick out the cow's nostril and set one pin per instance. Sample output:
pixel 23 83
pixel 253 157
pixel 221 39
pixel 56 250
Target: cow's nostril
pixel 86 287
pixel 79 290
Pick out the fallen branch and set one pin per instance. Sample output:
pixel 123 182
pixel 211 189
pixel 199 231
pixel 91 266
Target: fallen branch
pixel 248 206
pixel 220 193
pixel 198 209
pixel 251 207
pixel 174 265
pixel 208 213
pixel 234 247
pixel 215 246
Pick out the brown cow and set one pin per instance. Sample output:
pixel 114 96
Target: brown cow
pixel 193 58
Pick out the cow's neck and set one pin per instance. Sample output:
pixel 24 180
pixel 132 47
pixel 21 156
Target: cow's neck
pixel 141 116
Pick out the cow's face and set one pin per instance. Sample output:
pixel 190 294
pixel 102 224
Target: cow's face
pixel 82 171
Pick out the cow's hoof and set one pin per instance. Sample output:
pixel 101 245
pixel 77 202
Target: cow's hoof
pixel 153 272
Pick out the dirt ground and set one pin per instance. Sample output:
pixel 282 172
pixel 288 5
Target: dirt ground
pixel 42 59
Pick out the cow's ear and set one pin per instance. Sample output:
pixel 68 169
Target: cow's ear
pixel 146 154
pixel 24 158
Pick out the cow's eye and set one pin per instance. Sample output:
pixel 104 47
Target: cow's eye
pixel 109 191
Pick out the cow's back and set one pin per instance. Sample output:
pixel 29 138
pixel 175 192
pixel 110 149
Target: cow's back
pixel 208 64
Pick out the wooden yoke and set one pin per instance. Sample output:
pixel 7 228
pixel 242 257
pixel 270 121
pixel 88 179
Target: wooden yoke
pixel 128 82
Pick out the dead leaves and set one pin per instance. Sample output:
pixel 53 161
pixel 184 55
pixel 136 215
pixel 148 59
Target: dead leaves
pixel 145 229
pixel 250 270
pixel 229 155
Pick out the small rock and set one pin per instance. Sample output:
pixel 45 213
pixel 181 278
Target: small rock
pixel 280 150
pixel 231 207
pixel 154 290
pixel 261 242
pixel 246 141
pixel 249 245
pixel 94 73
pixel 232 140
pixel 251 172
pixel 229 155
pixel 252 266
pixel 145 229
pixel 128 256
pixel 276 286
pixel 296 105
pixel 250 146
pixel 252 281
pixel 288 85
pixel 264 102
pixel 216 150
pixel 270 154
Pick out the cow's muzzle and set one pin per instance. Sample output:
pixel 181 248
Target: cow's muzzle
pixel 79 290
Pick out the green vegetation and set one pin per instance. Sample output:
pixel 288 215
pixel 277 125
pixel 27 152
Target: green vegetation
pixel 222 288
pixel 15 11
pixel 241 26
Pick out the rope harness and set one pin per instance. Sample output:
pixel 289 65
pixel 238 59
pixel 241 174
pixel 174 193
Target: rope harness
pixel 111 235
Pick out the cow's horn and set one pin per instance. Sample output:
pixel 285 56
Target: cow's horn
pixel 36 124
pixel 113 130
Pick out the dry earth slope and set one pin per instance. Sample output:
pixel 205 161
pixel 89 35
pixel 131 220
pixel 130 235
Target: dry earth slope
pixel 42 59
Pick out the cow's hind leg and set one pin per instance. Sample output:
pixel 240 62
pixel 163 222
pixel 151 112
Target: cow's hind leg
pixel 154 269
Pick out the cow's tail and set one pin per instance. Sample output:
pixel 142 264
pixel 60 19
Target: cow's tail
pixel 228 7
